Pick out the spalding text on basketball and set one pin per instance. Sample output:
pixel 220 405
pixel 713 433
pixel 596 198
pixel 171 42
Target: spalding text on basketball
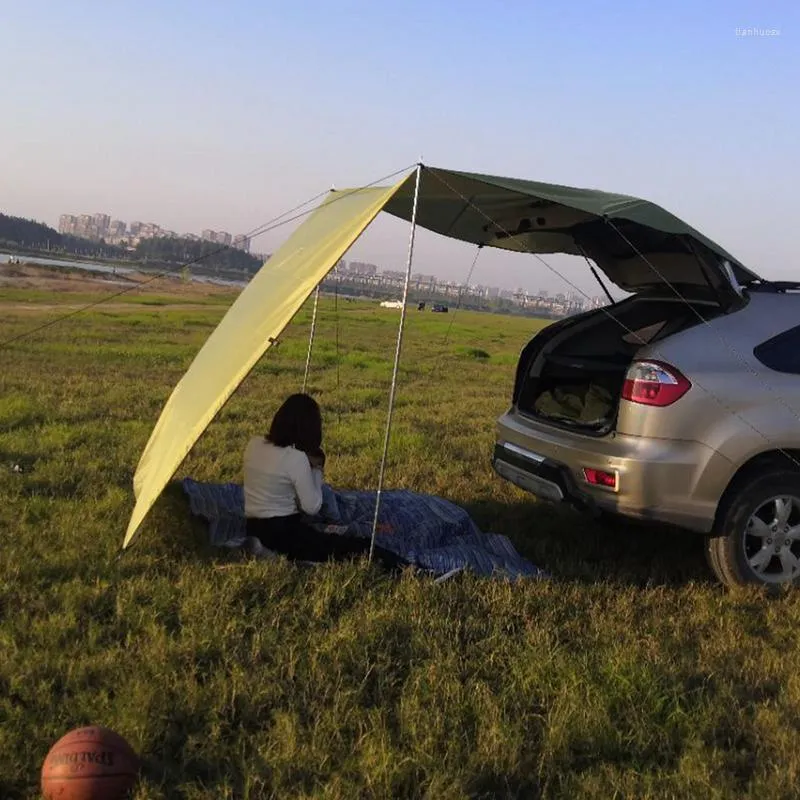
pixel 105 758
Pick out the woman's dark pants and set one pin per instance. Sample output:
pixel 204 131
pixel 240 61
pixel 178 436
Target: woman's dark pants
pixel 300 542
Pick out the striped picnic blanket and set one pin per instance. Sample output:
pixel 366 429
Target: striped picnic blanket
pixel 428 531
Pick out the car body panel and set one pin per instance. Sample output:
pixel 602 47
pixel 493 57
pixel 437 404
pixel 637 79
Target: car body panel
pixel 675 462
pixel 656 476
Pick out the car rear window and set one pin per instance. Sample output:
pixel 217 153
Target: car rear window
pixel 782 352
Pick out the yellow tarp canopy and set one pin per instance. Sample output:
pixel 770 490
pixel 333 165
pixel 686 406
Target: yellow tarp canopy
pixel 256 318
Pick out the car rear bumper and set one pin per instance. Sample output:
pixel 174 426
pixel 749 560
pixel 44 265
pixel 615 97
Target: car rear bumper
pixel 658 479
pixel 544 477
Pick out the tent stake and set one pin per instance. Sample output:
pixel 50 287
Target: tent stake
pixel 311 338
pixel 396 360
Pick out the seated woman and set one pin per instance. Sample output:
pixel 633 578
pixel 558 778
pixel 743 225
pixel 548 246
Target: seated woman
pixel 283 477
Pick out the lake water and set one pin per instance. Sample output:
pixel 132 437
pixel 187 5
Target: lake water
pixel 94 266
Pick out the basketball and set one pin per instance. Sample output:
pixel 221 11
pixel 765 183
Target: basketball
pixel 91 763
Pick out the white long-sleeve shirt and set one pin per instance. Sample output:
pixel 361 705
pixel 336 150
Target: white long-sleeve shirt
pixel 279 481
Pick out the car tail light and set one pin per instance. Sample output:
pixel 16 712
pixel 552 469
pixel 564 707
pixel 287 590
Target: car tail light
pixel 652 383
pixel 598 477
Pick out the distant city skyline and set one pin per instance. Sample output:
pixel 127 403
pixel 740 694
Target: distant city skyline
pixel 558 303
pixel 101 227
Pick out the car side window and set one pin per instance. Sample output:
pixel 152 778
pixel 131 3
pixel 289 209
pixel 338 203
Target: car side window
pixel 781 352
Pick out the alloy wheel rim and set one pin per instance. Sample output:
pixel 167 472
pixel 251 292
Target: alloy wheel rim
pixel 772 540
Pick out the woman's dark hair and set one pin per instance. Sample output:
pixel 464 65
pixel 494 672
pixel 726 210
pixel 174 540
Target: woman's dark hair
pixel 297 422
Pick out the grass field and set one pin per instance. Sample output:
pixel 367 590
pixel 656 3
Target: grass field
pixel 628 674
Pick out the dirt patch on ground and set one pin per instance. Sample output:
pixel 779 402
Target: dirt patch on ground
pixel 68 279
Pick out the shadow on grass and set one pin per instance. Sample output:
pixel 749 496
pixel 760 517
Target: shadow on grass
pixel 15 790
pixel 171 767
pixel 564 543
pixel 492 784
pixel 170 538
pixel 571 546
pixel 187 537
pixel 17 462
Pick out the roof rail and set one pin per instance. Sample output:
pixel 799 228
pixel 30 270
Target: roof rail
pixel 774 286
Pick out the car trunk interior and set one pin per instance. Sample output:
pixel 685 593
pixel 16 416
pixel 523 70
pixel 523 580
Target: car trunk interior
pixel 575 379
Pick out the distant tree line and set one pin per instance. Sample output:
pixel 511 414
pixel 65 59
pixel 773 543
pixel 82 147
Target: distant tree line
pixel 18 233
pixel 26 235
pixel 182 251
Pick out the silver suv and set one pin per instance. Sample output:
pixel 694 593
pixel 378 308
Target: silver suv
pixel 676 405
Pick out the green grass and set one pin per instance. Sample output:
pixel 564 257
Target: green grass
pixel 629 674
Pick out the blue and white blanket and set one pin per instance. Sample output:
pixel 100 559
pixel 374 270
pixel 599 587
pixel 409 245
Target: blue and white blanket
pixel 428 531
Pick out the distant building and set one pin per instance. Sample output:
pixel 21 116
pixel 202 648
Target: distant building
pixel 67 224
pixel 242 242
pixel 449 288
pixel 360 268
pixel 86 226
pixel 117 228
pixel 148 230
pixel 218 237
pixel 393 275
pixel 423 281
pixel 83 227
pixel 100 223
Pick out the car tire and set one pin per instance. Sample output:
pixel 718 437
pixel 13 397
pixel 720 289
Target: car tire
pixel 754 536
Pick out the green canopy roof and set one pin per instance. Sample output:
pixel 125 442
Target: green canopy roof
pixel 635 242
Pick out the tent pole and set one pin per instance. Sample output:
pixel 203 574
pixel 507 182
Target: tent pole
pixel 311 338
pixel 396 360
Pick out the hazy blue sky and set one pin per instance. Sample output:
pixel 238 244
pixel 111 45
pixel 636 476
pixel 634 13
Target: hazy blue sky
pixel 222 115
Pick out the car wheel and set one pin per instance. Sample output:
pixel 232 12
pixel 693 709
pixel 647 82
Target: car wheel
pixel 757 537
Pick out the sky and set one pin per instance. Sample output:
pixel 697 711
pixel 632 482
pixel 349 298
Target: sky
pixel 224 115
